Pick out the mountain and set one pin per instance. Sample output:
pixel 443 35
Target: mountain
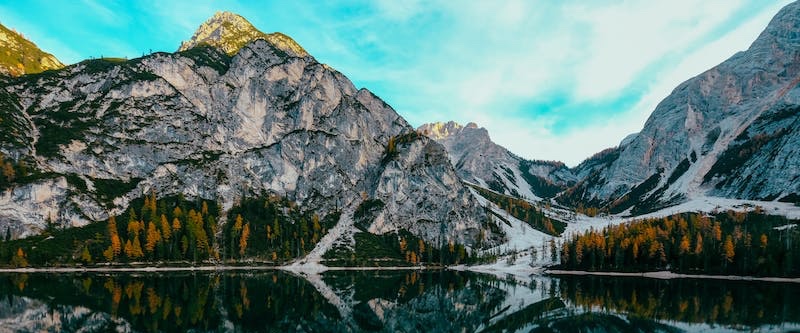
pixel 479 160
pixel 732 131
pixel 230 32
pixel 20 56
pixel 236 113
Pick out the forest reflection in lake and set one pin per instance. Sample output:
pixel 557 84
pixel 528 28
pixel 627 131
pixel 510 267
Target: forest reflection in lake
pixel 388 301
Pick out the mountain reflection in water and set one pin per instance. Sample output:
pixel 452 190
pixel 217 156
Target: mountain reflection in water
pixel 388 301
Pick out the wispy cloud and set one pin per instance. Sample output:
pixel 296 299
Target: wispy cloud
pixel 549 81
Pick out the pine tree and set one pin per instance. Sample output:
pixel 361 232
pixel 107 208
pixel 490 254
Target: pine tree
pixel 166 230
pixel 153 238
pixel 136 248
pixel 108 253
pixel 243 239
pixel 20 259
pixel 728 249
pixel 684 245
pixel 236 233
pixel 86 257
pixel 276 229
pixel 698 244
pixel 176 225
pixel 129 249
pixel 115 248
pixel 316 228
pixel 8 172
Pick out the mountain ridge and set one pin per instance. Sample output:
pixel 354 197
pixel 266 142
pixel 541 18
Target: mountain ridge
pixel 205 124
pixel 701 139
pixel 731 132
pixel 19 56
pixel 470 148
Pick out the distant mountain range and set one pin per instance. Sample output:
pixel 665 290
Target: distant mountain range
pixel 236 113
pixel 480 161
pixel 732 131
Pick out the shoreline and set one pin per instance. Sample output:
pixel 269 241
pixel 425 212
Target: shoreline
pixel 317 269
pixel 148 269
pixel 667 275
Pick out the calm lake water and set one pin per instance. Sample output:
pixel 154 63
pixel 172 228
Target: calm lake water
pixel 389 301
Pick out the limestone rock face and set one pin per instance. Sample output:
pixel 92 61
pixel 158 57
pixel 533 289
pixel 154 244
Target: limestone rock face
pixel 203 123
pixel 732 131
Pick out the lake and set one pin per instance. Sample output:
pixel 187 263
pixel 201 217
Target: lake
pixel 388 301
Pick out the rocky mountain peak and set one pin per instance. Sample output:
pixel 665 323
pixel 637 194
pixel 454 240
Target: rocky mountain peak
pixel 440 130
pixel 782 29
pixel 20 56
pixel 230 32
pixel 479 160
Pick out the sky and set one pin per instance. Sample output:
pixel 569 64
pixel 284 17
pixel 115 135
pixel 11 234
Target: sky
pixel 550 80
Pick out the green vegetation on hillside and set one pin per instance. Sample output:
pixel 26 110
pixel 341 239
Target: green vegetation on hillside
pixel 169 229
pixel 266 229
pixel 541 186
pixel 727 243
pixel 399 249
pixel 273 229
pixel 20 56
pixel 524 211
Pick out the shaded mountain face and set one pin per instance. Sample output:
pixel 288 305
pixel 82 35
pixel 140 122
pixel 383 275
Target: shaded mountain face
pixel 269 119
pixel 20 56
pixel 732 131
pixel 479 160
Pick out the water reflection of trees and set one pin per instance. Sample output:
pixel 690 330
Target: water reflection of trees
pixel 390 301
pixel 730 303
pixel 264 302
pixel 420 301
pixel 268 301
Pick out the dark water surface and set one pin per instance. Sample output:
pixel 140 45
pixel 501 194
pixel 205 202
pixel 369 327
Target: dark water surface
pixel 388 301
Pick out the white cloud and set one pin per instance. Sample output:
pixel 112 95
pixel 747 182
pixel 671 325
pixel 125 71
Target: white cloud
pixel 626 38
pixel 534 140
pixel 531 140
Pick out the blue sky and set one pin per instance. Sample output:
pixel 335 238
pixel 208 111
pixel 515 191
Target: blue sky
pixel 554 80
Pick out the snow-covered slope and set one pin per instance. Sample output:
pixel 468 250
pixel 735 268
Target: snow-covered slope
pixel 477 159
pixel 732 131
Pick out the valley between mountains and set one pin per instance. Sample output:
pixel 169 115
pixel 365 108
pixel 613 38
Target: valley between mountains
pixel 242 149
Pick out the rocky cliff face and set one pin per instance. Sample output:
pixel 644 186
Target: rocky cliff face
pixel 732 131
pixel 268 119
pixel 479 160
pixel 20 56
